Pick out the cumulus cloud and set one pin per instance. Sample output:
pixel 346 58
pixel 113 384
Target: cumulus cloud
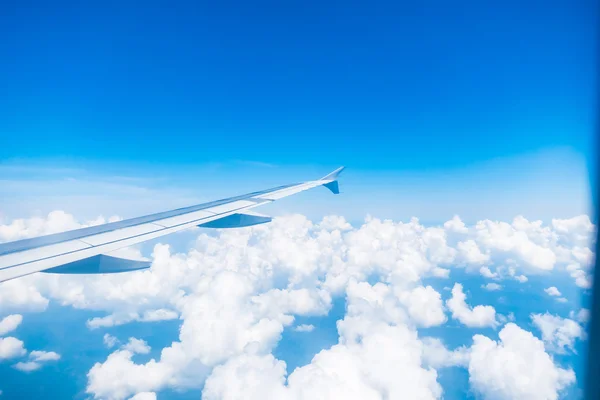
pixel 144 396
pixel 27 366
pixel 377 356
pixel 487 273
pixel 10 323
pixel 475 317
pixel 552 291
pixel 470 252
pixel 521 278
pixel 110 341
pixel 11 347
pixel 558 333
pixel 124 318
pixel 436 355
pixel 582 316
pixel 235 291
pixel 36 360
pixel 304 328
pixel 136 346
pixel 492 287
pixel 22 295
pixel 531 373
pixel 424 305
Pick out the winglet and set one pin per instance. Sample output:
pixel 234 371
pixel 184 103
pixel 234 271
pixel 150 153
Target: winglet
pixel 331 178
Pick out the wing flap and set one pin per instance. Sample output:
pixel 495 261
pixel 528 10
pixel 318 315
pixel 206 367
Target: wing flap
pixel 237 220
pixel 100 264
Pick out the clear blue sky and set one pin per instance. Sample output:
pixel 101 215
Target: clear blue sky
pixel 373 86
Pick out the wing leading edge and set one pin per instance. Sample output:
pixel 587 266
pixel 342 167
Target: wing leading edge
pixel 85 250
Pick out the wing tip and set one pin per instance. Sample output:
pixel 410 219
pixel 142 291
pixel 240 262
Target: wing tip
pixel 333 175
pixel 331 180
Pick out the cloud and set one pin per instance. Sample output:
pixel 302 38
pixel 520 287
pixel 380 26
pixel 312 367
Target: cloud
pixel 562 300
pixel 11 347
pixel 470 252
pixel 582 316
pixel 581 277
pixel 28 366
pixel 531 373
pixel 424 305
pixel 456 225
pixel 36 360
pixel 110 341
pixel 144 396
pixel 492 287
pixel 552 291
pixel 118 377
pixel 476 317
pixel 136 346
pixel 377 356
pixel 43 356
pixel 235 291
pixel 10 323
pixel 487 273
pixel 436 355
pixel 558 333
pixel 521 278
pixel 124 318
pixel 21 295
pixel 304 328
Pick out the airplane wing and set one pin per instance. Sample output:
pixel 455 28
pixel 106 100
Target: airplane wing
pixel 86 250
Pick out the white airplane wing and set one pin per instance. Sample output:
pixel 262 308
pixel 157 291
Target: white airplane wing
pixel 86 250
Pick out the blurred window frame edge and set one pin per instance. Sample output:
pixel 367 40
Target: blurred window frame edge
pixel 592 364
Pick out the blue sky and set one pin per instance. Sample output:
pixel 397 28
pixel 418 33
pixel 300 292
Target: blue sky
pixel 436 109
pixel 393 86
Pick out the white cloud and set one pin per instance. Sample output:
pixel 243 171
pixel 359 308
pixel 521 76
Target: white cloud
pixel 28 366
pixel 531 373
pixel 43 356
pixel 10 323
pixel 136 346
pixel 36 360
pixel 456 225
pixel 470 252
pixel 581 277
pixel 110 341
pixel 558 333
pixel 582 316
pixel 487 273
pixel 118 377
pixel 21 295
pixel 124 318
pixel 374 359
pixel 492 287
pixel 304 328
pixel 521 278
pixel 11 347
pixel 552 291
pixel 436 355
pixel 478 316
pixel 424 305
pixel 144 396
pixel 236 290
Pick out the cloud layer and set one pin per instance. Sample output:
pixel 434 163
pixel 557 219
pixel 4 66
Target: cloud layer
pixel 236 291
